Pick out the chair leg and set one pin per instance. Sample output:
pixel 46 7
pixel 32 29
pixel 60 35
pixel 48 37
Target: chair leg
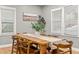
pixel 20 51
pixel 70 50
pixel 57 50
pixel 28 48
pixel 12 46
pixel 17 49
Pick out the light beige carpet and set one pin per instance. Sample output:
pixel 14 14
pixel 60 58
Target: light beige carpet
pixel 7 50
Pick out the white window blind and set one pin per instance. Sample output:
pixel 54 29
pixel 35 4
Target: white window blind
pixel 8 20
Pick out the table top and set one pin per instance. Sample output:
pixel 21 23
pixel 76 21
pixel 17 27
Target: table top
pixel 39 38
pixel 47 38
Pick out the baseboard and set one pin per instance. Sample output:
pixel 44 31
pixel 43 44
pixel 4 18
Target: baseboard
pixel 76 49
pixel 3 46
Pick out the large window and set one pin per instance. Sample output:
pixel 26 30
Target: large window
pixel 7 20
pixel 65 20
pixel 71 20
pixel 56 20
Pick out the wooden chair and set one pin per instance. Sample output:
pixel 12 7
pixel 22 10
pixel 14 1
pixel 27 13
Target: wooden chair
pixel 24 46
pixel 32 46
pixel 27 47
pixel 63 47
pixel 14 44
pixel 20 45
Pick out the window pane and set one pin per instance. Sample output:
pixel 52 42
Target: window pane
pixel 70 16
pixel 7 14
pixel 56 21
pixel 71 20
pixel 7 27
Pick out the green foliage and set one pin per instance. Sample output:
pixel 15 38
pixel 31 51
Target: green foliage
pixel 39 25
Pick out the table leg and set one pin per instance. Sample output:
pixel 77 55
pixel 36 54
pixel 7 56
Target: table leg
pixel 43 49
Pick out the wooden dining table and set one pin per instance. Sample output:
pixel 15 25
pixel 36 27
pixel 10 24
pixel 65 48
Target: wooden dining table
pixel 42 41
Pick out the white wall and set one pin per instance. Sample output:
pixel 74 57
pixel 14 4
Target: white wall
pixel 25 26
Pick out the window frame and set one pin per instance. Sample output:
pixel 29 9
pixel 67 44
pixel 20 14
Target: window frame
pixel 14 21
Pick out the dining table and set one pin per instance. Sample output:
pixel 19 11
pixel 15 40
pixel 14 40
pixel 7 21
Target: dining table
pixel 41 40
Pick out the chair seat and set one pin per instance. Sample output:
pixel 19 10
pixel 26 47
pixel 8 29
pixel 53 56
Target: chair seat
pixel 63 47
pixel 62 51
pixel 62 44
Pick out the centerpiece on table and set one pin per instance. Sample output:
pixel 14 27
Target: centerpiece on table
pixel 39 26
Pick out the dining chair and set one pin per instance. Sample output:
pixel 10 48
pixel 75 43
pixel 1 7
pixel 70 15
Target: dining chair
pixel 24 46
pixel 15 44
pixel 19 44
pixel 33 46
pixel 63 47
pixel 27 47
